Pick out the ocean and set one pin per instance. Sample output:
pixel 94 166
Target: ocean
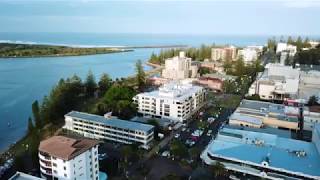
pixel 23 80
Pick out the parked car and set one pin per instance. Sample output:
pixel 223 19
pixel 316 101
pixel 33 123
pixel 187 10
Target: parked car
pixel 190 142
pixel 183 129
pixel 165 154
pixel 177 135
pixel 102 156
pixel 211 120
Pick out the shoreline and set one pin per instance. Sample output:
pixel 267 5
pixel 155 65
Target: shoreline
pixel 49 56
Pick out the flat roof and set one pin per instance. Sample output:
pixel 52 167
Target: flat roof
pixel 245 118
pixel 253 147
pixel 113 121
pixel 66 148
pixel 22 176
pixel 267 130
pixel 174 90
pixel 260 108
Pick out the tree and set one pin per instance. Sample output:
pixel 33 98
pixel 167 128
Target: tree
pixel 30 126
pixel 218 169
pixel 194 153
pixel 140 75
pixel 126 152
pixel 313 100
pixel 90 84
pixel 104 84
pixel 178 149
pixel 156 125
pixel 36 114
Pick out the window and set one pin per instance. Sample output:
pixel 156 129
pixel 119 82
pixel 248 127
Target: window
pixel 54 164
pixel 65 175
pixel 64 168
pixel 54 158
pixel 64 161
pixel 55 171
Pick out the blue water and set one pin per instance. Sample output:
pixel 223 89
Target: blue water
pixel 24 80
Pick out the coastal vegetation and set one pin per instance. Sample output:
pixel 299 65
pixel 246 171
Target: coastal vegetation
pixel 69 94
pixel 309 57
pixel 34 50
pixel 197 54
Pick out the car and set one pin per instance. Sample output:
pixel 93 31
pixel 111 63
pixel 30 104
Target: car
pixel 177 135
pixel 211 120
pixel 165 154
pixel 102 156
pixel 183 129
pixel 190 142
pixel 209 132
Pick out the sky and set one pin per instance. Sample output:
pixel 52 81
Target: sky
pixel 238 17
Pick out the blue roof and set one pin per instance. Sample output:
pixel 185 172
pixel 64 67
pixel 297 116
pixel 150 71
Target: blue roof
pixel 280 151
pixel 113 121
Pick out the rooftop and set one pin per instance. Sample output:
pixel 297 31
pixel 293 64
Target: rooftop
pixel 112 121
pixel 220 76
pixel 247 119
pixel 66 148
pixel 280 153
pixel 174 90
pixel 23 176
pixel 260 108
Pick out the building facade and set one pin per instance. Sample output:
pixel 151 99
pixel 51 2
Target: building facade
pixel 284 47
pixel 176 101
pixel 66 158
pixel 109 128
pixel 277 82
pixel 180 67
pixel 224 53
pixel 248 55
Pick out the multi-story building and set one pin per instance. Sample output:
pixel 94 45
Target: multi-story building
pixel 180 67
pixel 277 82
pixel 265 155
pixel 284 47
pixel 109 128
pixel 248 55
pixel 175 101
pixel 224 53
pixel 66 158
pixel 258 114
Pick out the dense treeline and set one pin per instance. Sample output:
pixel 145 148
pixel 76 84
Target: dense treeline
pixel 299 42
pixel 309 57
pixel 245 73
pixel 198 54
pixel 31 50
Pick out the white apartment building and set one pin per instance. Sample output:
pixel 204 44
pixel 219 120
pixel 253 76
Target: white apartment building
pixel 284 47
pixel 109 128
pixel 180 67
pixel 175 101
pixel 224 53
pixel 277 82
pixel 248 55
pixel 65 158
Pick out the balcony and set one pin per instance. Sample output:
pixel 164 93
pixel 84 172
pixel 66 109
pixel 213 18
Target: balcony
pixel 44 156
